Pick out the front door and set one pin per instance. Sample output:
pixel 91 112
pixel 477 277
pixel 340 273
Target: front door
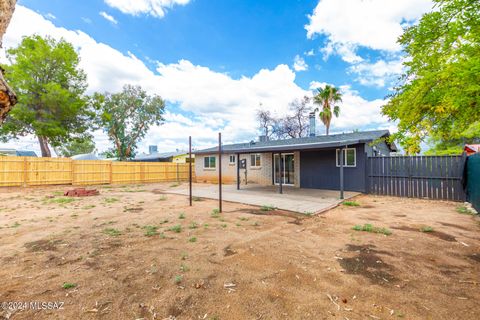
pixel 287 163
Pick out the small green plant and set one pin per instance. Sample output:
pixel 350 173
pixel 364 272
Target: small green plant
pixel 351 203
pixel 184 267
pixel 181 215
pixel 74 215
pixel 173 185
pixel 206 225
pixel 62 200
pixel 223 225
pixel 267 208
pixel 215 213
pixel 426 229
pixel 164 221
pixel 58 193
pixel 110 200
pixel 16 224
pixel 68 285
pixel 370 228
pixel 150 231
pixel 192 239
pixel 162 198
pixel 197 199
pixel 238 224
pixel 112 232
pixel 193 225
pixel 178 279
pixel 184 256
pixel 256 224
pixel 464 210
pixel 177 228
pixel 88 207
pixel 243 218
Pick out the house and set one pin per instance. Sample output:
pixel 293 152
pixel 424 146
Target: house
pixel 17 153
pixel 175 156
pixel 471 149
pixel 310 162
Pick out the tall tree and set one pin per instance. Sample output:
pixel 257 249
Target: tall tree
pixel 126 117
pixel 438 95
pixel 265 121
pixel 8 98
pixel 296 124
pixel 327 99
pixel 51 90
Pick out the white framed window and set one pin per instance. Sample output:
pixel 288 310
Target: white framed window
pixel 209 162
pixel 232 159
pixel 349 157
pixel 255 160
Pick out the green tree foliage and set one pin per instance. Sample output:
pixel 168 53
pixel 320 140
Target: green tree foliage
pixel 439 93
pixel 80 145
pixel 50 88
pixel 126 117
pixel 327 98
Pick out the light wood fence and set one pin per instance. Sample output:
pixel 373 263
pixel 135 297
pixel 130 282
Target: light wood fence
pixel 31 171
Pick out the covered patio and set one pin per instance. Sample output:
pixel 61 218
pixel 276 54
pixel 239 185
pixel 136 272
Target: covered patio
pixel 292 199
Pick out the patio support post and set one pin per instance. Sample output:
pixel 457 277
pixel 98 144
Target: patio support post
pixel 220 171
pixel 189 169
pixel 280 186
pixel 238 171
pixel 341 172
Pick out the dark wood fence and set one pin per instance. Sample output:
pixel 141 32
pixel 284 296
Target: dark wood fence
pixel 432 177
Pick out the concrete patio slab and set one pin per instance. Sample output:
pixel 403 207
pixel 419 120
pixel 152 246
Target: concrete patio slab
pixel 292 199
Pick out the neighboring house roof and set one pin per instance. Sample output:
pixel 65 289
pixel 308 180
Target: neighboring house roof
pixel 26 153
pixel 316 142
pixel 472 148
pixel 158 155
pixel 85 156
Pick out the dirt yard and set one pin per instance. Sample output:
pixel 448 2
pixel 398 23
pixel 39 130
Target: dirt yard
pixel 135 253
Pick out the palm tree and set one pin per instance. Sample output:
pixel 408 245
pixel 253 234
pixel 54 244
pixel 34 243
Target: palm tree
pixel 327 98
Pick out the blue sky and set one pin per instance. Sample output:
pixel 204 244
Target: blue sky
pixel 214 61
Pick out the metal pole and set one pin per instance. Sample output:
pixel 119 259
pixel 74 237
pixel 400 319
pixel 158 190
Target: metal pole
pixel 341 173
pixel 238 171
pixel 220 171
pixel 190 168
pixel 281 171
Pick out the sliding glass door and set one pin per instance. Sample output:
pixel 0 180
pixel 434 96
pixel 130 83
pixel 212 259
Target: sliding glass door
pixel 287 163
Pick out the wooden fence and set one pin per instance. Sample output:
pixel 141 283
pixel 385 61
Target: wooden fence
pixel 30 171
pixel 433 177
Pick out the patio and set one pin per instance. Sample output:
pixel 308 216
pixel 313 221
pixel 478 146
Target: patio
pixel 292 199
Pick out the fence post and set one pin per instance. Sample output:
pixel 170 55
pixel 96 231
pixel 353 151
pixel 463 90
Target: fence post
pixel 72 170
pixel 178 176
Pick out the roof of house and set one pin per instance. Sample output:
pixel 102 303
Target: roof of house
pixel 26 153
pixel 85 156
pixel 316 142
pixel 159 155
pixel 472 147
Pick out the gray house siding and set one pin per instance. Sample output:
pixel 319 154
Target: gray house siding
pixel 318 170
pixel 382 149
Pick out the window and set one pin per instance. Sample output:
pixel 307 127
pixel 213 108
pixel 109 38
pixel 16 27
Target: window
pixel 232 159
pixel 349 157
pixel 255 160
pixel 209 162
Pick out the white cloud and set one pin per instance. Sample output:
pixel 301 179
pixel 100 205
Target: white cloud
pixel 377 74
pixel 87 20
pixel 50 16
pixel 299 64
pixel 108 17
pixel 374 24
pixel 310 53
pixel 156 8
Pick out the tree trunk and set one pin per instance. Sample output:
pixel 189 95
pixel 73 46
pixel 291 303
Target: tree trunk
pixel 8 98
pixel 44 147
